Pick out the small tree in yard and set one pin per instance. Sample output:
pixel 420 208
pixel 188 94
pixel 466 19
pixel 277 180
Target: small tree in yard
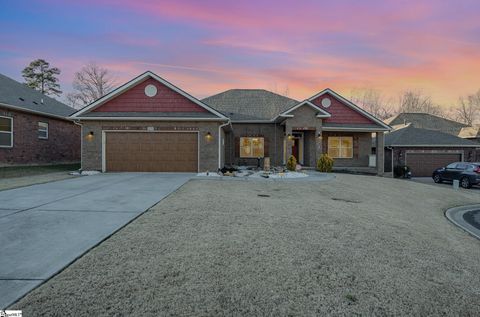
pixel 325 164
pixel 40 76
pixel 291 163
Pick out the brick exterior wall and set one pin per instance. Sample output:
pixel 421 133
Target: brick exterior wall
pixel 340 112
pixel 362 148
pixel 362 141
pixel 134 99
pixel 273 135
pixel 62 145
pixel 92 147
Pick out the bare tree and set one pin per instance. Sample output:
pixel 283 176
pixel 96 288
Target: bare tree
pixel 89 84
pixel 416 101
pixel 373 102
pixel 468 109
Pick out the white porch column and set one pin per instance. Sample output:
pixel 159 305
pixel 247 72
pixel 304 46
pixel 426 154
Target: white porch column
pixel 380 154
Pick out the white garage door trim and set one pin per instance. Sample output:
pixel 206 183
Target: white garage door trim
pixel 104 142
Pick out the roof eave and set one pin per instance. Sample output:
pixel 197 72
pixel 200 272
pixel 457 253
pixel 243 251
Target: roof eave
pixel 45 114
pixel 147 119
pixel 354 129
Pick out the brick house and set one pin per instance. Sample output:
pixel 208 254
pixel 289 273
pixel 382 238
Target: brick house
pixel 148 124
pixel 34 128
pixel 425 150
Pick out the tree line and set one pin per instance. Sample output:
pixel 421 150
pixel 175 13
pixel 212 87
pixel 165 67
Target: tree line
pixel 92 82
pixel 467 109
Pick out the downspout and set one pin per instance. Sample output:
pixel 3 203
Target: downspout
pixel 220 142
pixel 81 143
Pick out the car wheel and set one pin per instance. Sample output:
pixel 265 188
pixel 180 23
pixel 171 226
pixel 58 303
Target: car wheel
pixel 465 182
pixel 437 179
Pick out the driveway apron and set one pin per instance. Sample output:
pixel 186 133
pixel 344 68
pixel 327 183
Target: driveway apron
pixel 47 226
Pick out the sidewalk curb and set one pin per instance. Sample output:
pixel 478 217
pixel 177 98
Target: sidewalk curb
pixel 455 215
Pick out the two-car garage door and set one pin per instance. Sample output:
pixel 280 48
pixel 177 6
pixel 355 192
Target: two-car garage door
pixel 151 151
pixel 423 164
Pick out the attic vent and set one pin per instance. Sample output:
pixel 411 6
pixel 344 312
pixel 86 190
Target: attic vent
pixel 326 102
pixel 150 90
pixel 21 98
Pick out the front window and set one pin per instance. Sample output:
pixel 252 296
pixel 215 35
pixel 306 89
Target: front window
pixel 6 132
pixel 340 147
pixel 252 147
pixel 43 130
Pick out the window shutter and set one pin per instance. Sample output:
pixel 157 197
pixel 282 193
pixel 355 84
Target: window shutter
pixel 237 146
pixel 355 146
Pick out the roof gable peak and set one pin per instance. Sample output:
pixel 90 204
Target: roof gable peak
pixel 134 82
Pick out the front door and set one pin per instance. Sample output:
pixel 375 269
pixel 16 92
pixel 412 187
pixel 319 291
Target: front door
pixel 295 148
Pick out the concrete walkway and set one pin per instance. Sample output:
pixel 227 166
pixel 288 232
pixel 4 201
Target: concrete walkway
pixel 47 226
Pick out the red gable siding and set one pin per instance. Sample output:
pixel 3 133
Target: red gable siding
pixel 340 112
pixel 135 100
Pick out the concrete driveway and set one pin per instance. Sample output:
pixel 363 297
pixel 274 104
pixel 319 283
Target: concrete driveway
pixel 45 227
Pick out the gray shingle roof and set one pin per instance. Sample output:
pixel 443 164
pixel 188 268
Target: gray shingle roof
pixel 412 136
pixel 427 121
pixel 180 114
pixel 11 91
pixel 250 104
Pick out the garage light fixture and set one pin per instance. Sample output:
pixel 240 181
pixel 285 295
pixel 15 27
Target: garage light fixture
pixel 208 137
pixel 319 135
pixel 90 136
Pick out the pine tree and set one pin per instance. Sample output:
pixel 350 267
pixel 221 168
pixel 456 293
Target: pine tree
pixel 40 76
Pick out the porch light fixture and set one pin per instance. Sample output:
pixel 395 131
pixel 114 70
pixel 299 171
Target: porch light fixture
pixel 90 136
pixel 289 137
pixel 208 137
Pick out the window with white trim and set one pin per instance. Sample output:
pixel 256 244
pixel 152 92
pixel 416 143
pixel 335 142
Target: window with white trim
pixel 252 147
pixel 42 130
pixel 6 131
pixel 340 146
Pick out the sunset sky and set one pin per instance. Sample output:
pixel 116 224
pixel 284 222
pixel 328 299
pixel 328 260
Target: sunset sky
pixel 209 46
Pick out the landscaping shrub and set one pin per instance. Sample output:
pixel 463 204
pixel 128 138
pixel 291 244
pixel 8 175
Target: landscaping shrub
pixel 325 163
pixel 401 171
pixel 291 163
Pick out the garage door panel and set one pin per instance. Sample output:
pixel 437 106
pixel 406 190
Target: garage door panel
pixel 151 152
pixel 423 164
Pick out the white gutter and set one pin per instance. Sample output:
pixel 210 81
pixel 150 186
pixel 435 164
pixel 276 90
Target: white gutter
pixel 146 119
pixel 220 142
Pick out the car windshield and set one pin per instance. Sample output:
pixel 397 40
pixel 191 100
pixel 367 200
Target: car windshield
pixel 452 165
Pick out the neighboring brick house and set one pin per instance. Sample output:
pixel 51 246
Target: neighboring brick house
pixel 424 142
pixel 34 128
pixel 424 150
pixel 148 124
